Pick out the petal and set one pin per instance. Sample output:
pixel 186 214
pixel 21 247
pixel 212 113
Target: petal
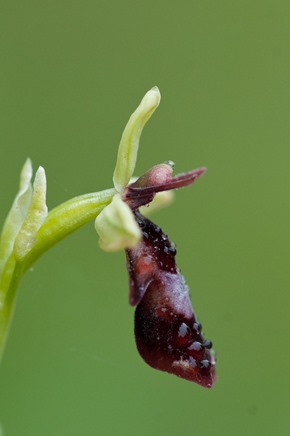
pixel 117 227
pixel 153 253
pixel 168 335
pixel 137 196
pixel 167 332
pixel 128 148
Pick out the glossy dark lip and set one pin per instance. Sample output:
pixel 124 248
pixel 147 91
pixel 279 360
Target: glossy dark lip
pixel 163 305
pixel 158 341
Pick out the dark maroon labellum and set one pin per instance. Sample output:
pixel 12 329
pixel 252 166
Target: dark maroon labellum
pixel 167 333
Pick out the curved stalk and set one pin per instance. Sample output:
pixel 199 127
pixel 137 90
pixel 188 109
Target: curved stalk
pixel 65 219
pixel 7 306
pixel 60 222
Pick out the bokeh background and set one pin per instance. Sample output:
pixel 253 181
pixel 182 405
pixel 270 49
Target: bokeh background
pixel 71 73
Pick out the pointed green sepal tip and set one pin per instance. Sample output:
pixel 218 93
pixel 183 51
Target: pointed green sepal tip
pixel 129 144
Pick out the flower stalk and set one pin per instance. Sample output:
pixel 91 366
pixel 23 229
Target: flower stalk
pixel 59 223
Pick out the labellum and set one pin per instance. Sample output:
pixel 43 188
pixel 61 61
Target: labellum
pixel 167 333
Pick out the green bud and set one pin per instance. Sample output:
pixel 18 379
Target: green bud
pixel 16 215
pixel 35 217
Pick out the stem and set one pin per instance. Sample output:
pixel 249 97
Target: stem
pixel 60 222
pixel 8 305
pixel 66 218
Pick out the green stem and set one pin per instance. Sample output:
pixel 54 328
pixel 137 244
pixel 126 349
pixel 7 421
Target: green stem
pixel 65 219
pixel 8 305
pixel 60 222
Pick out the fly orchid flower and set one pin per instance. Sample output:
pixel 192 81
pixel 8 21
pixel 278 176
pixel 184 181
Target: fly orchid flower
pixel 167 333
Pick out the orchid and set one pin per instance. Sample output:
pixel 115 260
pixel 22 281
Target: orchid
pixel 168 335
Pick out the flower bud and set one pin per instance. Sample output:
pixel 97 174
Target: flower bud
pixel 35 217
pixel 17 214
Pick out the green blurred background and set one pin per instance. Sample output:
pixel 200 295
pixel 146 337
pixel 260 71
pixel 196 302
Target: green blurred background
pixel 71 73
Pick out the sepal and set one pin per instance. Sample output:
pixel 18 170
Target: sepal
pixel 117 227
pixel 129 144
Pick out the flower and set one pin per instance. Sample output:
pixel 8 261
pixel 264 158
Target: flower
pixel 168 335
